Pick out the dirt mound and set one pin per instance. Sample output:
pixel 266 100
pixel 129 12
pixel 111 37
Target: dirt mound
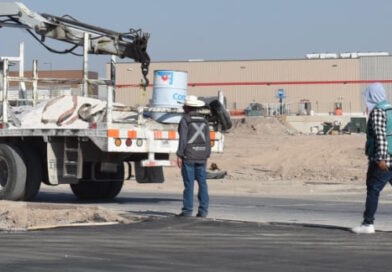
pixel 274 155
pixel 25 216
pixel 260 126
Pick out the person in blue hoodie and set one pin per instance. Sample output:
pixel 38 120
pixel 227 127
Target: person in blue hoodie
pixel 378 150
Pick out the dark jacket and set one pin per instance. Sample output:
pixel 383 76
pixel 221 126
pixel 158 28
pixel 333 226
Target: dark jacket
pixel 194 143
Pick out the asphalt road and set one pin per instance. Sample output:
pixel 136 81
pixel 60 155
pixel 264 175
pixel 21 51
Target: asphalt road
pixel 236 237
pixel 341 210
pixel 180 244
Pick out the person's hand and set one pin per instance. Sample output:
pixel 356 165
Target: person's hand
pixel 179 162
pixel 382 165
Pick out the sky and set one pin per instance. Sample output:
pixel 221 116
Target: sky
pixel 218 29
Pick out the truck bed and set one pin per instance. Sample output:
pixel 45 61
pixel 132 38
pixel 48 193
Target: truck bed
pixel 129 132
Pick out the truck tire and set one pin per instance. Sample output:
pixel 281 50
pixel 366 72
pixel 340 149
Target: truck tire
pixel 115 186
pixel 221 114
pixel 113 190
pixel 12 173
pixel 93 190
pixel 33 163
pixel 88 190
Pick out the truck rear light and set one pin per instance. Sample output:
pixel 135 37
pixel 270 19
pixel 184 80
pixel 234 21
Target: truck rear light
pixel 212 143
pixel 1 125
pixel 139 142
pixel 117 141
pixel 128 142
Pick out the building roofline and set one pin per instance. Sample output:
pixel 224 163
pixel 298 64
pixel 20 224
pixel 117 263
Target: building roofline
pixel 233 60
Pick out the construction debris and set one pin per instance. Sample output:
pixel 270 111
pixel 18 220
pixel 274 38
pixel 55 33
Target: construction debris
pixel 215 173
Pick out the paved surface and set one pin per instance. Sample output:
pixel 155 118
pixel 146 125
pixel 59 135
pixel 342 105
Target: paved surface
pixel 180 244
pixel 169 243
pixel 343 210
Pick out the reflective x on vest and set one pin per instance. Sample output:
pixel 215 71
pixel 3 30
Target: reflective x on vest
pixel 199 131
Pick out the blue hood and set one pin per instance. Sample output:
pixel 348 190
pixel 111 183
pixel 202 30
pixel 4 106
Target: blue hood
pixel 374 94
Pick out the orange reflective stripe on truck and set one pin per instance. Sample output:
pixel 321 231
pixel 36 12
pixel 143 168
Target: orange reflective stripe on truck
pixel 158 134
pixel 113 133
pixel 132 134
pixel 170 135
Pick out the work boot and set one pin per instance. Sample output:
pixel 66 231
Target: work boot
pixel 364 229
pixel 184 214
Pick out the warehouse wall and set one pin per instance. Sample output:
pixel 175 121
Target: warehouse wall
pixel 245 81
pixel 377 68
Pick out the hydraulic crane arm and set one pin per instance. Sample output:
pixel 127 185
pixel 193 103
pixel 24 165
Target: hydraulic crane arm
pixel 132 44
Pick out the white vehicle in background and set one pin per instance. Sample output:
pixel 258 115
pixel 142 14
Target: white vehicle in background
pixel 79 140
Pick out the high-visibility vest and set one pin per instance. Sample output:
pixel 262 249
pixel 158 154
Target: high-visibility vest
pixel 198 146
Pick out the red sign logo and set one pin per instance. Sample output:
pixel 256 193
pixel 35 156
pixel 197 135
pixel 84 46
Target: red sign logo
pixel 165 77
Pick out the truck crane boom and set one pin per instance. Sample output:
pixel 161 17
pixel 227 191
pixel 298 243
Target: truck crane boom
pixel 132 44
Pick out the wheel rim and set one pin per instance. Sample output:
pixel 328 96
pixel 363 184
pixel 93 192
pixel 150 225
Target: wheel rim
pixel 3 173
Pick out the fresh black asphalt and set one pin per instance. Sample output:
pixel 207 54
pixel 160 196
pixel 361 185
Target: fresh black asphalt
pixel 182 244
pixel 344 210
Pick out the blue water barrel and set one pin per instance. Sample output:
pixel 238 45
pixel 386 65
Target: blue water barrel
pixel 169 91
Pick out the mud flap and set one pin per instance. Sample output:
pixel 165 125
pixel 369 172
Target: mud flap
pixel 148 174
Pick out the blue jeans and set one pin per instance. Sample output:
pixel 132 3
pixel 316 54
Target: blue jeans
pixel 191 171
pixel 375 182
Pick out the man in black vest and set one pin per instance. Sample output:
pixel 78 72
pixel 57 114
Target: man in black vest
pixel 193 151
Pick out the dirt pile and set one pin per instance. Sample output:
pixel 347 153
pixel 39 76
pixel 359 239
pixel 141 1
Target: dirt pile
pixel 262 149
pixel 260 126
pixel 25 216
pixel 271 152
pixel 317 158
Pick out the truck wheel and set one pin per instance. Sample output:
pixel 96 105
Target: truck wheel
pixel 115 183
pixel 12 173
pixel 34 172
pixel 114 188
pixel 91 190
pixel 219 111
